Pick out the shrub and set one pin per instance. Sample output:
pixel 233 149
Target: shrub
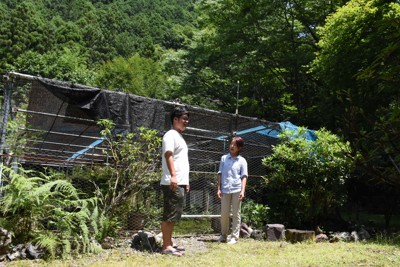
pixel 134 165
pixel 254 214
pixel 306 178
pixel 49 212
pixel 125 184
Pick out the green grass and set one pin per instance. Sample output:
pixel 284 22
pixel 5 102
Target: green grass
pixel 247 252
pixel 198 226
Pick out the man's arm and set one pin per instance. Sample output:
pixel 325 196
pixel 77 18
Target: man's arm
pixel 169 159
pixel 219 193
pixel 242 192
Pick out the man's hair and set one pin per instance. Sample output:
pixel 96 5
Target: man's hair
pixel 238 141
pixel 178 112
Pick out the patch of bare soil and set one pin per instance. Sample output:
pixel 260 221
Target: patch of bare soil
pixel 190 243
pixel 194 243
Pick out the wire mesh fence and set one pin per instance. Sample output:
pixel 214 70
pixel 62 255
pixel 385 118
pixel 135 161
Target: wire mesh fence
pixel 48 124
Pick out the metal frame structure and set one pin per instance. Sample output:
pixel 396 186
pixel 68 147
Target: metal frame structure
pixel 60 121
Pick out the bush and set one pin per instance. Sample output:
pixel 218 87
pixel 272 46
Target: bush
pixel 134 166
pixel 254 215
pixel 307 178
pixel 48 211
pixel 125 184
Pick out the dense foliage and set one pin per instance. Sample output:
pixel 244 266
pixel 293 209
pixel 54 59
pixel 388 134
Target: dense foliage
pixel 122 186
pixel 359 64
pixel 306 179
pixel 49 211
pixel 68 40
pixel 134 165
pixel 324 64
pixel 264 45
pixel 54 211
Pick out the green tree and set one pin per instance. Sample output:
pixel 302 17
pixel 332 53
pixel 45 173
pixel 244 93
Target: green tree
pixel 136 75
pixel 358 63
pixel 65 65
pixel 380 147
pixel 306 179
pixel 23 28
pixel 266 46
pixel 101 30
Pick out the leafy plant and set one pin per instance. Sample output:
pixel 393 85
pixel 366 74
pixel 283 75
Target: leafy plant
pixel 254 214
pixel 134 165
pixel 307 178
pixel 124 183
pixel 108 226
pixel 49 212
pixel 136 75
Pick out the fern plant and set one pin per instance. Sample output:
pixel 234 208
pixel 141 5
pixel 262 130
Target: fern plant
pixel 48 212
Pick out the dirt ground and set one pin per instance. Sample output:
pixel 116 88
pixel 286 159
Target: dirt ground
pixel 190 243
pixel 195 243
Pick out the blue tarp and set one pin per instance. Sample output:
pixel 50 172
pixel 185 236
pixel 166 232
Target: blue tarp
pixel 277 128
pixel 273 130
pixel 83 151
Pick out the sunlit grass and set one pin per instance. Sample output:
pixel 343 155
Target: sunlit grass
pixel 199 226
pixel 247 252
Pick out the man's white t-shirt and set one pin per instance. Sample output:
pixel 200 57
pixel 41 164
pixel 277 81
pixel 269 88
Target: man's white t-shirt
pixel 174 142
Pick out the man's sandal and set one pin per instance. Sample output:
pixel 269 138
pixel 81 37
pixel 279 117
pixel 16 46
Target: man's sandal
pixel 172 252
pixel 179 248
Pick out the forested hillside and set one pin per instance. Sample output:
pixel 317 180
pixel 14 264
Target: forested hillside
pixel 71 40
pixel 332 64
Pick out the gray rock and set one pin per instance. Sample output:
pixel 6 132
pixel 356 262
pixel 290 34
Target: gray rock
pixel 257 235
pixel 145 241
pixel 364 235
pixel 5 241
pixel 321 238
pixel 274 232
pixel 245 231
pixel 340 236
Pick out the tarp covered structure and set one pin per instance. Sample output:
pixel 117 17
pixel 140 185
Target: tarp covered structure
pixel 61 131
pixel 61 121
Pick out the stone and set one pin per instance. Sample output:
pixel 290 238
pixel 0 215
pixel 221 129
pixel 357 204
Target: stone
pixel 145 241
pixel 274 232
pixel 364 234
pixel 108 242
pixel 294 235
pixel 321 238
pixel 24 251
pixel 340 236
pixel 32 252
pixel 245 231
pixel 257 235
pixel 5 241
pixel 354 236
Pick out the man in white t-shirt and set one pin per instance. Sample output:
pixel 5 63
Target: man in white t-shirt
pixel 175 178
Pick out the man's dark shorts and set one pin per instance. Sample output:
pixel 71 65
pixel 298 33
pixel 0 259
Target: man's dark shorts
pixel 174 202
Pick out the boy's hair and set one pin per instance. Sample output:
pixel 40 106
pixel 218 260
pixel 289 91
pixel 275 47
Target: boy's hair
pixel 238 141
pixel 178 112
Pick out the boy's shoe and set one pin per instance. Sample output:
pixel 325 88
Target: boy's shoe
pixel 222 239
pixel 232 241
